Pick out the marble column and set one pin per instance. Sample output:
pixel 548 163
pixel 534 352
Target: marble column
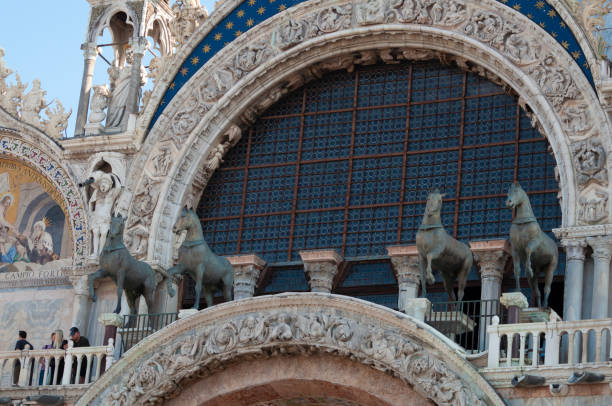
pixel 90 54
pixel 405 262
pixel 514 302
pixel 321 267
pixel 247 269
pixel 139 46
pixel 81 303
pixel 602 253
pixel 574 273
pixel 491 258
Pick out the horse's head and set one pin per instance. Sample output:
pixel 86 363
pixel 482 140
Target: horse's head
pixel 434 202
pixel 516 196
pixel 116 227
pixel 186 220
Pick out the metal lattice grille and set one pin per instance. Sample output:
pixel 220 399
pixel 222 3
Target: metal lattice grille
pixel 346 162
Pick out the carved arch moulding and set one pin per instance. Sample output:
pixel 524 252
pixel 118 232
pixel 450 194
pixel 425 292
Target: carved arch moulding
pixel 204 119
pixel 37 151
pixel 286 325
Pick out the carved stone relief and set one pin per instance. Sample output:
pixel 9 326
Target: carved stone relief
pixel 593 206
pixel 270 333
pixel 590 162
pixel 554 80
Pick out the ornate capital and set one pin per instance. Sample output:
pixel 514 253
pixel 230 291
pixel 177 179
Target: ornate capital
pixel 321 266
pixel 139 45
pixel 574 248
pixel 80 284
pixel 90 50
pixel 247 269
pixel 491 256
pixel 405 262
pixel 602 247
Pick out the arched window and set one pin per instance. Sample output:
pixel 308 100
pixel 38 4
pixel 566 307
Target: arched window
pixel 347 161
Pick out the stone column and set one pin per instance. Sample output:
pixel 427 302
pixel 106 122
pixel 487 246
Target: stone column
pixel 247 269
pixel 110 321
pixel 601 262
pixel 321 266
pixel 574 273
pixel 139 46
pixel 405 262
pixel 602 253
pixel 492 257
pixel 90 54
pixel 81 304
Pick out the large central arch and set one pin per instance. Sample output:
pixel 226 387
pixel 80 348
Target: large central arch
pixel 203 120
pixel 359 341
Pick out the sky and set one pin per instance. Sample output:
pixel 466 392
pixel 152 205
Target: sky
pixel 42 39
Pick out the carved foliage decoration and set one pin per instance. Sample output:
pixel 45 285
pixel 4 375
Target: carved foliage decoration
pixel 279 332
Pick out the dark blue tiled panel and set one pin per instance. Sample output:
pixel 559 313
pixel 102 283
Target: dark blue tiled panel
pixel 366 274
pixel 287 280
pixel 356 179
pixel 389 300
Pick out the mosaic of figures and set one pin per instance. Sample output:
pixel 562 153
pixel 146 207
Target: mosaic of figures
pixel 33 227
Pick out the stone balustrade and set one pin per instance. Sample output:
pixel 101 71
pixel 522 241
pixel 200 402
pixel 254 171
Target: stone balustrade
pixel 38 368
pixel 549 343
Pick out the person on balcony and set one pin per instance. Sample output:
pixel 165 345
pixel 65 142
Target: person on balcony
pixel 79 341
pixel 20 345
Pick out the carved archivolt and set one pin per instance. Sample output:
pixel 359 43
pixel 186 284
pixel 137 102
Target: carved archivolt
pixel 228 91
pixel 296 324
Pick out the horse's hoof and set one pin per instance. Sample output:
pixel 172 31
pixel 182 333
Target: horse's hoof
pixel 94 298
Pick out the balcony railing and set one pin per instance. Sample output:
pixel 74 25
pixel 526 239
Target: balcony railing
pixel 551 343
pixel 40 368
pixel 464 322
pixel 139 326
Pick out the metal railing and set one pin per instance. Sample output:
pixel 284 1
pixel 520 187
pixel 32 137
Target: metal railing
pixel 464 322
pixel 137 327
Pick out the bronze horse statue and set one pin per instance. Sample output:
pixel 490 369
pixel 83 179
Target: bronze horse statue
pixel 135 277
pixel 530 245
pixel 438 250
pixel 208 270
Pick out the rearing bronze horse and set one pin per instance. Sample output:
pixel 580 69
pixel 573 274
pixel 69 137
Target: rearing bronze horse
pixel 530 245
pixel 438 250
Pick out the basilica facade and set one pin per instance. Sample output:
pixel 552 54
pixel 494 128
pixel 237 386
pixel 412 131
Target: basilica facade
pixel 308 137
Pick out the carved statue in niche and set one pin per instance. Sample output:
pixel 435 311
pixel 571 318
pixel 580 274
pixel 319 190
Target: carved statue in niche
pixel 120 88
pixel 99 102
pixel 33 103
pixel 590 161
pixel 594 208
pixel 106 188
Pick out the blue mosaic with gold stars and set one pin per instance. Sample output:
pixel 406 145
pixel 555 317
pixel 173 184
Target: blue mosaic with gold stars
pixel 252 12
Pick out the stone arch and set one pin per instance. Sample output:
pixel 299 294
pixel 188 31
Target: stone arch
pixel 103 19
pixel 37 150
pixel 243 79
pixel 293 325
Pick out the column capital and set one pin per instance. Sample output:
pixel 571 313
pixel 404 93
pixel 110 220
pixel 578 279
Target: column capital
pixel 405 262
pixel 247 269
pixel 90 50
pixel 602 247
pixel 491 257
pixel 321 266
pixel 574 248
pixel 139 45
pixel 111 319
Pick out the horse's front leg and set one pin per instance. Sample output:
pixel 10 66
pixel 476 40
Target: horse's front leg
pixel 100 273
pixel 120 280
pixel 516 261
pixel 198 285
pixel 549 271
pixel 423 267
pixel 177 269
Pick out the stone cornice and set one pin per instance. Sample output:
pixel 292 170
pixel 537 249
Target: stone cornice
pixel 270 326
